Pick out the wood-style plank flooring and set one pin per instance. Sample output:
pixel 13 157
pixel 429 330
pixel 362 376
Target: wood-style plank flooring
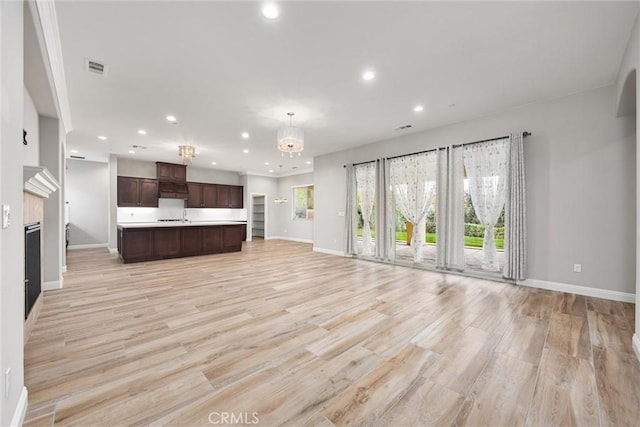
pixel 279 335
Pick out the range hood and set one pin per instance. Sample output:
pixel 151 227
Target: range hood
pixel 39 181
pixel 173 190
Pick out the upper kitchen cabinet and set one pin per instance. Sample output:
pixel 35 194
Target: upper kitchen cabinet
pixel 137 192
pixel 230 196
pixel 171 172
pixel 202 195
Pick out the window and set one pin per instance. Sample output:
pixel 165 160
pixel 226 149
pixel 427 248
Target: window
pixel 303 202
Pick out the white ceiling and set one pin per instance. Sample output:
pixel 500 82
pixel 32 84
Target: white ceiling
pixel 221 68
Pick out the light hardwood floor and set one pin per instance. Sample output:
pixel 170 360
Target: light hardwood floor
pixel 284 336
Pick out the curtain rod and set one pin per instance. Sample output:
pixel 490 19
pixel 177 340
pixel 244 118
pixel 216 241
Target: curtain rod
pixel 524 135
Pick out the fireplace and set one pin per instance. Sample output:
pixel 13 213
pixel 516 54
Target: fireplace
pixel 32 265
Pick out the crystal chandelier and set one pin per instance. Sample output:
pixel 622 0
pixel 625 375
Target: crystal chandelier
pixel 186 153
pixel 290 138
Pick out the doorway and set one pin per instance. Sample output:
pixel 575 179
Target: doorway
pixel 258 216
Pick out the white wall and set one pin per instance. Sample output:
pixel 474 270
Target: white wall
pixel 297 229
pixel 88 196
pixel 580 169
pixel 12 238
pixel 31 151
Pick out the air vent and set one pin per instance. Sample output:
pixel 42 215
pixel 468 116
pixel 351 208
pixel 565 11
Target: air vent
pixel 403 127
pixel 95 67
pixel 77 157
pixel 142 147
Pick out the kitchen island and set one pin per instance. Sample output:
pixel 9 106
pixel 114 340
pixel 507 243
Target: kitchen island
pixel 147 241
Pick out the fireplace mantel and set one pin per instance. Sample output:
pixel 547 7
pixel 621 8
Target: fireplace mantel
pixel 39 181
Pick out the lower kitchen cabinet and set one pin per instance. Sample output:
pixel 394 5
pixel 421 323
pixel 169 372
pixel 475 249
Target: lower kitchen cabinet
pixel 167 242
pixel 149 243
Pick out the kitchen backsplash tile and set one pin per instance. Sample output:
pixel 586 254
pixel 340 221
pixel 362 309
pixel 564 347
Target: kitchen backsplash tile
pixel 173 209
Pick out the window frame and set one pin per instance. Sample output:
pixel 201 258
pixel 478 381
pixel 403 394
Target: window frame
pixel 306 207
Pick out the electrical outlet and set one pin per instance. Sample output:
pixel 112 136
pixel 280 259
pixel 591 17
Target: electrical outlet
pixel 577 268
pixel 7 382
pixel 6 216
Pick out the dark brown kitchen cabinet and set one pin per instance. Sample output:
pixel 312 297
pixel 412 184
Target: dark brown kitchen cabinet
pixel 195 195
pixel 212 239
pixel 230 196
pixel 137 192
pixel 210 195
pixel 147 244
pixel 191 240
pixel 232 237
pixel 171 172
pixel 136 244
pixel 167 242
pixel 202 195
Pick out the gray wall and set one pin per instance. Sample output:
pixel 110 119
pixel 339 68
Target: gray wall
pixel 262 185
pixel 12 238
pixel 52 157
pixel 144 169
pixel 31 151
pixel 301 229
pixel 580 169
pixel 88 197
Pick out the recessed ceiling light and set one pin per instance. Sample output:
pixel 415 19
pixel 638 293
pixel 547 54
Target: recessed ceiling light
pixel 368 75
pixel 197 152
pixel 74 151
pixel 308 162
pixel 418 108
pixel 132 152
pixel 142 132
pixel 270 170
pixel 214 163
pixel 266 163
pixel 245 135
pixel 172 119
pixel 245 151
pixel 270 11
pixel 102 138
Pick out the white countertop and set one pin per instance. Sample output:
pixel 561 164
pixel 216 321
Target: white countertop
pixel 176 224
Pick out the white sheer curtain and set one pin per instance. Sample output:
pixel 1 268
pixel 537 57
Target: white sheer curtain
pixel 515 219
pixel 450 209
pixel 413 179
pixel 366 190
pixel 486 165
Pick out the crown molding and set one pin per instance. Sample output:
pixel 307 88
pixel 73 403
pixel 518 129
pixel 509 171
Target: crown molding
pixel 46 25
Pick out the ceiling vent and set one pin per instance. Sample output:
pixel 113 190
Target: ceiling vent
pixel 77 157
pixel 95 67
pixel 142 147
pixel 403 127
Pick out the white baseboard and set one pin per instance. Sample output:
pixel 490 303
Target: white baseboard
pixel 580 290
pixel 291 239
pixel 21 409
pixel 64 268
pixel 89 246
pixel 636 345
pixel 113 250
pixel 52 285
pixel 328 251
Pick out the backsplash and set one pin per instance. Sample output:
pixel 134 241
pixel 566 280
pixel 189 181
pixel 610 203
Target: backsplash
pixel 173 209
